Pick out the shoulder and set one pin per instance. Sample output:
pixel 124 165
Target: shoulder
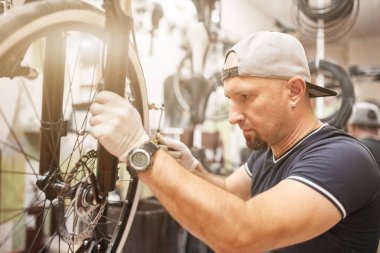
pixel 332 143
pixel 339 154
pixel 337 148
pixel 341 168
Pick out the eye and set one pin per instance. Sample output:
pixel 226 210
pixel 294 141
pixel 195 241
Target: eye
pixel 245 96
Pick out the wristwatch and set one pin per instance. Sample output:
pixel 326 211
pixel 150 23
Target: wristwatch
pixel 139 159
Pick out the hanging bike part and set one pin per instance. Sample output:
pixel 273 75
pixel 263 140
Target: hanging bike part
pixel 338 17
pixel 337 109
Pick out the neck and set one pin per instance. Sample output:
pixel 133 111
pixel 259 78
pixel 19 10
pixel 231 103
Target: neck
pixel 371 135
pixel 299 131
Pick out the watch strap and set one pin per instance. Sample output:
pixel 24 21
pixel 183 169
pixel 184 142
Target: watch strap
pixel 151 147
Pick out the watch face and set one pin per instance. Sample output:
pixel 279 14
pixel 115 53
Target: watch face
pixel 140 160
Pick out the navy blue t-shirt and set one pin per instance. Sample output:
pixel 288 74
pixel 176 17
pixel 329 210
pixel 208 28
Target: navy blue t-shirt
pixel 340 168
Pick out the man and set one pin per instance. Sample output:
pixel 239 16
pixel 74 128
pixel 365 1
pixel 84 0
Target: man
pixel 309 187
pixel 364 124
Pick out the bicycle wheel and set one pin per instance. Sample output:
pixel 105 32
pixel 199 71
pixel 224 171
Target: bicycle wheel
pixel 58 209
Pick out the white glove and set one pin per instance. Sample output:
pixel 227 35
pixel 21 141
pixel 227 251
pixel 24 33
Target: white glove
pixel 116 124
pixel 180 152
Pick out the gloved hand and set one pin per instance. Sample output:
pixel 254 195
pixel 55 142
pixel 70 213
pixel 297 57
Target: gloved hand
pixel 116 124
pixel 180 152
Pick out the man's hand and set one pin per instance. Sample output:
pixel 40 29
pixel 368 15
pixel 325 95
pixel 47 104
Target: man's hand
pixel 180 152
pixel 116 124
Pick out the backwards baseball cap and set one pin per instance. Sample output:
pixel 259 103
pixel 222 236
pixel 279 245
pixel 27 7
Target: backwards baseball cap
pixel 273 55
pixel 366 114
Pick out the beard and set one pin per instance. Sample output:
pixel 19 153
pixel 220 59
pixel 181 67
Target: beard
pixel 255 142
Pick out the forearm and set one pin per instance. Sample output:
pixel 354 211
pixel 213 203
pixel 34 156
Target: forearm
pixel 195 201
pixel 217 180
pixel 238 183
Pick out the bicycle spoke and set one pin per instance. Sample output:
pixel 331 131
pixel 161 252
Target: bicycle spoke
pixel 65 196
pixel 5 144
pixel 40 228
pixel 19 146
pixel 16 228
pixel 31 103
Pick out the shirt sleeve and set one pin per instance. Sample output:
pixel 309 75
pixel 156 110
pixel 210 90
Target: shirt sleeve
pixel 248 165
pixel 255 159
pixel 344 172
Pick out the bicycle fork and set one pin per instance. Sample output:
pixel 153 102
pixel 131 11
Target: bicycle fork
pixel 52 125
pixel 118 28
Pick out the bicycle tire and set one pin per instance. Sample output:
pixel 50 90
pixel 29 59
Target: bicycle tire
pixel 340 82
pixel 22 30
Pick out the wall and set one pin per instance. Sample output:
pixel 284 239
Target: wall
pixel 363 52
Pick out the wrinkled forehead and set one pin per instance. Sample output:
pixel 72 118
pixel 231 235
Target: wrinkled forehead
pixel 231 60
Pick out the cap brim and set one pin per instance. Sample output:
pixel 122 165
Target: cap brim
pixel 318 91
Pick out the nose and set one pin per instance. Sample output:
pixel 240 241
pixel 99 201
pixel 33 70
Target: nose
pixel 236 114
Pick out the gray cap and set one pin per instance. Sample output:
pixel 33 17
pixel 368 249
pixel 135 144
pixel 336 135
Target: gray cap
pixel 366 114
pixel 273 55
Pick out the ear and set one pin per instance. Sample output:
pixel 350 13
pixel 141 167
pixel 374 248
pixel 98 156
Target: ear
pixel 297 87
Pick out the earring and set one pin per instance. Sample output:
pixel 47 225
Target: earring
pixel 293 104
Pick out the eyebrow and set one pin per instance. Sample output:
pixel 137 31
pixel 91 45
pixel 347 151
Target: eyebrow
pixel 240 92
